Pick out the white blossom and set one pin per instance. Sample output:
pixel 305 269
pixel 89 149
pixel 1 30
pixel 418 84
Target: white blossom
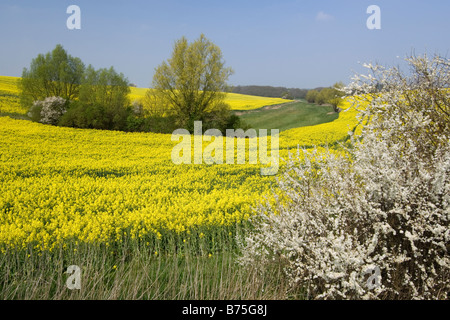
pixel 52 108
pixel 385 204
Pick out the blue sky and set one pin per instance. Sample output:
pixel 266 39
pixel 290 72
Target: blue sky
pixel 303 43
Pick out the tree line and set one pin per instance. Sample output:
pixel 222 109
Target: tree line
pixel 332 95
pixel 190 86
pixel 271 92
pixel 321 95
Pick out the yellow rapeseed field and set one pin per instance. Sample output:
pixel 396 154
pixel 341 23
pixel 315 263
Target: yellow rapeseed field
pixel 9 100
pixel 235 100
pixel 63 184
pixel 245 102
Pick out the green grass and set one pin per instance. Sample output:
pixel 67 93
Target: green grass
pixel 291 115
pixel 133 271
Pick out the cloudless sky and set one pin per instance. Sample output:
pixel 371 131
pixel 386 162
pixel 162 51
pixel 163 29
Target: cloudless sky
pixel 291 43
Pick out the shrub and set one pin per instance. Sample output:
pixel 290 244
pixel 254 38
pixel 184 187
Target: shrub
pixel 159 124
pixel 103 102
pixel 81 115
pixel 135 123
pixel 35 111
pixel 311 96
pixel 321 98
pixel 373 224
pixel 235 122
pixel 49 110
pixel 220 117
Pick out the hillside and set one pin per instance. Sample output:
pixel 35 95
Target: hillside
pixel 98 186
pixel 126 182
pixel 288 116
pixel 9 100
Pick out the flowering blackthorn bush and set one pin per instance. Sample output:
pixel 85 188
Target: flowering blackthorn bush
pixel 383 206
pixel 49 110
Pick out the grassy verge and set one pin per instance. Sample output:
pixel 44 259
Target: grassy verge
pixel 288 116
pixel 155 270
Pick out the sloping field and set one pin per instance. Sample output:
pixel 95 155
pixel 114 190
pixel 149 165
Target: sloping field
pixel 63 184
pixel 235 100
pixel 9 100
pixel 244 102
pixel 288 115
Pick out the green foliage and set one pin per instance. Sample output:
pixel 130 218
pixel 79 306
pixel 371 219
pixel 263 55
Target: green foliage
pixel 105 87
pixel 235 122
pixel 269 91
pixel 35 112
pixel 326 95
pixel 103 102
pixel 331 96
pixel 82 115
pixel 55 74
pixel 159 124
pixel 138 271
pixel 188 87
pixel 335 95
pixel 287 95
pixel 321 97
pixel 99 98
pixel 221 118
pixel 311 96
pixel 134 123
pixel 191 85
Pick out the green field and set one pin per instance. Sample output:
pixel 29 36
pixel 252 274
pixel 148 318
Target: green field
pixel 287 116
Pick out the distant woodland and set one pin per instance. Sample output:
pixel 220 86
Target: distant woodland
pixel 272 92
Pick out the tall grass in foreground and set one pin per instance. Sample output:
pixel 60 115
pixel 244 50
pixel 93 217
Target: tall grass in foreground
pixel 170 269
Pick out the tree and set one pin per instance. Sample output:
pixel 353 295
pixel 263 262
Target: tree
pixel 55 74
pixel 287 95
pixel 48 111
pixel 103 101
pixel 331 95
pixel 192 82
pixel 321 97
pixel 311 96
pixel 336 94
pixel 268 91
pixel 371 223
pixel 105 87
pixel 154 105
pixel 81 115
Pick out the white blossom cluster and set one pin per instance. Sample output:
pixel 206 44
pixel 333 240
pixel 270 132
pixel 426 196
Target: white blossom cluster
pixel 385 205
pixel 52 108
